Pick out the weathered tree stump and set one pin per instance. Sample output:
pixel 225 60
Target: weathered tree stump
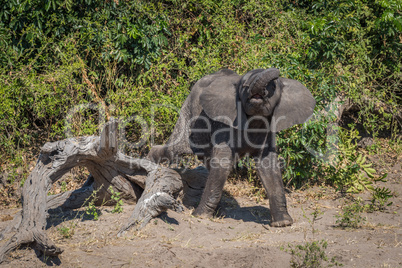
pixel 153 187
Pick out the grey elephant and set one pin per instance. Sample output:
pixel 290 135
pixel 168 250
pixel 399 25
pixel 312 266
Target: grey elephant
pixel 227 116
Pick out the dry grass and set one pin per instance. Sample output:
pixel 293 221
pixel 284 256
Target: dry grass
pixel 244 188
pixel 244 236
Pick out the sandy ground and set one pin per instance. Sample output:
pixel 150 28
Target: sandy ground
pixel 241 239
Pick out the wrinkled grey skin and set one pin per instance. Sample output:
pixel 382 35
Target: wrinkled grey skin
pixel 227 116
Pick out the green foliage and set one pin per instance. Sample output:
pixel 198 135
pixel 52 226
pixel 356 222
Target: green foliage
pixel 125 31
pixel 116 198
pixel 67 232
pixel 351 217
pixel 358 40
pixel 63 187
pixel 379 200
pixel 340 165
pixel 248 164
pixel 90 209
pixel 310 254
pixel 391 14
pixel 315 217
pixel 351 173
pixel 341 30
pixel 68 66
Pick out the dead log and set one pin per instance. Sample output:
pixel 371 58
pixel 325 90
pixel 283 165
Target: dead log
pixel 154 187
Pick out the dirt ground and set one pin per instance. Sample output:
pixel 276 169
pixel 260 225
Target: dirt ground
pixel 241 239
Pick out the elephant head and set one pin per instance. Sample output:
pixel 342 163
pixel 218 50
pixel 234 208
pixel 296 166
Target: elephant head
pixel 262 92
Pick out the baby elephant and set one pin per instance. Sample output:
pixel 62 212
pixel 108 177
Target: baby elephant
pixel 227 116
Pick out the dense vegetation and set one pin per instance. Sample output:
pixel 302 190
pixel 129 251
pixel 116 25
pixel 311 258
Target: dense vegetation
pixel 67 66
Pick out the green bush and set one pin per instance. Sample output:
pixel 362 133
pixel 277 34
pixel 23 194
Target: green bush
pixel 351 217
pixel 126 31
pixel 121 58
pixel 311 254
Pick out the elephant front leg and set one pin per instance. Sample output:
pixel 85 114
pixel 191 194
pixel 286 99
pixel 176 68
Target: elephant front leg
pixel 219 167
pixel 268 170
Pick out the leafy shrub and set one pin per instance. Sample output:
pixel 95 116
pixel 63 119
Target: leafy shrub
pixel 379 200
pixel 116 199
pixel 351 215
pixel 67 232
pixel 124 31
pixel 311 254
pixel 137 60
pixel 351 173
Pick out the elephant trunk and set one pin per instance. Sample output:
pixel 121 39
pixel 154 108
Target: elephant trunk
pixel 264 78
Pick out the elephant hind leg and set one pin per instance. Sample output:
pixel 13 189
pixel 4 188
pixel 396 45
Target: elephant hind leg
pixel 162 153
pixel 156 153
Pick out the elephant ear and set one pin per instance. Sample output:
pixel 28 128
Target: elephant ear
pixel 295 106
pixel 219 98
